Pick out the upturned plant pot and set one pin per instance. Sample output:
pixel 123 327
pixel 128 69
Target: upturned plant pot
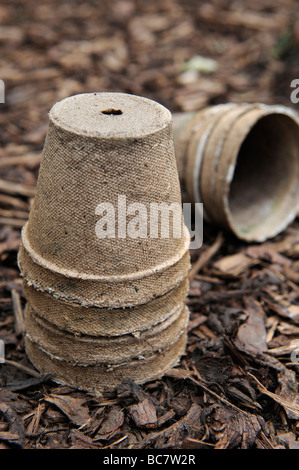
pixel 96 321
pixel 97 378
pixel 104 308
pixel 106 157
pixel 87 350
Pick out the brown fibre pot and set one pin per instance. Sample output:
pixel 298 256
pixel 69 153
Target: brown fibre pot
pixel 101 309
pixel 96 321
pixel 241 161
pixel 86 350
pixel 97 378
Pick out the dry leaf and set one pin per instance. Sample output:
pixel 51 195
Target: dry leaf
pixel 234 428
pixel 252 334
pixel 112 422
pixel 234 265
pixel 72 407
pixel 290 406
pixel 143 413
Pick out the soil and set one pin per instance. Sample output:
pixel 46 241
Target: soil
pixel 237 384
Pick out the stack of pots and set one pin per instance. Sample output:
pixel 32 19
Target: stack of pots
pixel 241 161
pixel 103 306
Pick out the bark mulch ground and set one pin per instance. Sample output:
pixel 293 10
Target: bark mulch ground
pixel 237 384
